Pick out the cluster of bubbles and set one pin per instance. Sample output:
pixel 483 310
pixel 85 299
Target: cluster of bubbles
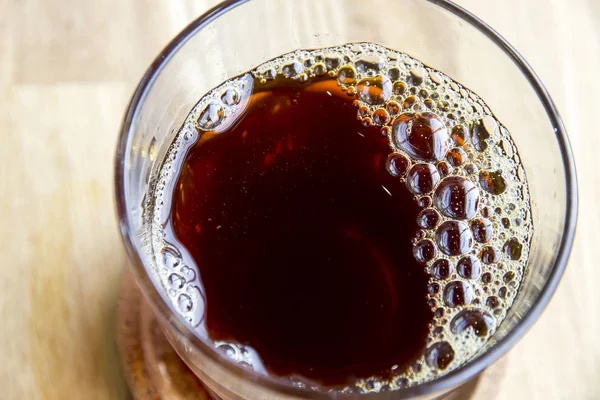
pixel 452 154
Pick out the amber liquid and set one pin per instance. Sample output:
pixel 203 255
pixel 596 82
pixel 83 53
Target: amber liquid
pixel 303 239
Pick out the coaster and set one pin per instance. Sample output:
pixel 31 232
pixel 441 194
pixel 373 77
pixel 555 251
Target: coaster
pixel 155 371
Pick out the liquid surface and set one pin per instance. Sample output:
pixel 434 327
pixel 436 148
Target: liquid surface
pixel 347 218
pixel 303 239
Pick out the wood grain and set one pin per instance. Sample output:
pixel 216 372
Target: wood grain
pixel 67 69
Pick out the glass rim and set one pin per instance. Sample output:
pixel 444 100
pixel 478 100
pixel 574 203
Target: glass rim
pixel 450 380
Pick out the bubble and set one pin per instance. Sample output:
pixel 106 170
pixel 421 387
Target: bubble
pixel 320 69
pixel 211 116
pixel 460 134
pixel 346 75
pixel 509 276
pixel 443 168
pixel 428 218
pixel 230 97
pixel 397 164
pixel 394 74
pixel 176 281
pixel 489 255
pixel 435 77
pixel 493 302
pixel 439 355
pixel 454 238
pixel 184 302
pixel 363 111
pixel 457 197
pixel 375 90
pixel 170 258
pixel 424 201
pixel 481 322
pixel 483 230
pixel 513 248
pixel 492 182
pixel 188 273
pixel 502 292
pixel 424 251
pixel 228 350
pixel 486 278
pixel 393 108
pixel 422 178
pixel 458 293
pixel 456 156
pixel 479 135
pixel 469 267
pixel 439 312
pixel 409 102
pixel 369 63
pixel 332 61
pixel 442 269
pixel 422 135
pixel 399 88
pixel 489 124
pixel 417 74
pixel 292 69
pixel 381 116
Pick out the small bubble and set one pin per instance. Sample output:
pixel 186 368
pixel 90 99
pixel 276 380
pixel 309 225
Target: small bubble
pixel 369 63
pixel 492 182
pixel 493 302
pixel 320 69
pixel 409 102
pixel 458 293
pixel 439 313
pixel 184 302
pixel 482 229
pixel 435 77
pixel 480 135
pixel 440 355
pixel 469 267
pixel 399 88
pixel 292 69
pixel 422 135
pixel 230 97
pixel 481 322
pixel 509 276
pixel 188 273
pixel 443 168
pixel 170 258
pixel 486 278
pixel 393 108
pixel 460 134
pixel 442 269
pixel 363 112
pixel 402 383
pixel 424 201
pixel 489 255
pixel 456 156
pixel 381 117
pixel 375 90
pixel 417 74
pixel 332 61
pixel 502 292
pixel 346 75
pixel 454 238
pixel 422 178
pixel 457 197
pixel 394 74
pixel 176 281
pixel 227 350
pixel 211 116
pixel 513 248
pixel 270 74
pixel 424 251
pixel 397 164
pixel 428 218
pixel 367 122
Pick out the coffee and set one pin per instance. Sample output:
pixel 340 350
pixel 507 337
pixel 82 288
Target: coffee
pixel 345 217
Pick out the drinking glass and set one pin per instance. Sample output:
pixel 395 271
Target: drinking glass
pixel 235 36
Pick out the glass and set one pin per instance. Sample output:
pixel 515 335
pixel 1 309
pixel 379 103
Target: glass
pixel 236 36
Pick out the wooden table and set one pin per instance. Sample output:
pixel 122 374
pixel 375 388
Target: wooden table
pixel 67 69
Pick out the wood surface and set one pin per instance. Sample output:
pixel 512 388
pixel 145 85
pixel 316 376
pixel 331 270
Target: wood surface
pixel 67 70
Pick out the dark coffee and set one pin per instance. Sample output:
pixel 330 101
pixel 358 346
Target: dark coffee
pixel 303 239
pixel 343 217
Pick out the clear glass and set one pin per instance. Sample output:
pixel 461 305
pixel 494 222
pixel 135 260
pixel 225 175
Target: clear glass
pixel 236 36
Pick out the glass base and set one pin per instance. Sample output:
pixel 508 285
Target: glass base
pixel 154 370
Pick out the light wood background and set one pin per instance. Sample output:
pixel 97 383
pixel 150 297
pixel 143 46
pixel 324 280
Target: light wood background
pixel 67 69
